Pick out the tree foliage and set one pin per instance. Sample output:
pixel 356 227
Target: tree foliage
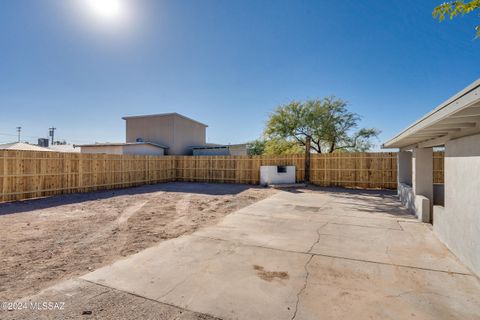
pixel 256 147
pixel 327 122
pixel 274 146
pixel 453 9
pixel 282 146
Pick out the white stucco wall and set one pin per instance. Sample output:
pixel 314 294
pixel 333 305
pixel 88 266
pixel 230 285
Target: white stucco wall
pixel 269 175
pixel 458 224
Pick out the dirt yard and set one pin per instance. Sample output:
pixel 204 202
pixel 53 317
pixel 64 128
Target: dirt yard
pixel 47 240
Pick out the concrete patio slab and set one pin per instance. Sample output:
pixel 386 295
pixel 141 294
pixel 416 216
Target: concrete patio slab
pixel 214 277
pixel 346 289
pixel 304 255
pixel 413 246
pixel 281 233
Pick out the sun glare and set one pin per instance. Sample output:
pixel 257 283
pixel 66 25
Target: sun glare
pixel 109 10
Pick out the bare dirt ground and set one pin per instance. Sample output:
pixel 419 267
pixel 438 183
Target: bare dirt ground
pixel 48 240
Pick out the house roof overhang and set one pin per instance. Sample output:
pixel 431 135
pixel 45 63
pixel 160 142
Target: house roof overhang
pixel 457 117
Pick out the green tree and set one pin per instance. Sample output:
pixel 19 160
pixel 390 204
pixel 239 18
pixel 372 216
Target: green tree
pixel 256 147
pixel 453 9
pixel 326 122
pixel 282 146
pixel 273 146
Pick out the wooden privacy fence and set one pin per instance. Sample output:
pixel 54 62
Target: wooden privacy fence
pixel 31 174
pixel 232 169
pixel 362 170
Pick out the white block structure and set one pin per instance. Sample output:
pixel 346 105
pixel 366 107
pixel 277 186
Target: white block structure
pixel 277 175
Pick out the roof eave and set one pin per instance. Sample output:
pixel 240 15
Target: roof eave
pixel 451 108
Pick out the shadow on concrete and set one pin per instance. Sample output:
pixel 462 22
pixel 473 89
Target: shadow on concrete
pixel 362 200
pixel 373 201
pixel 182 187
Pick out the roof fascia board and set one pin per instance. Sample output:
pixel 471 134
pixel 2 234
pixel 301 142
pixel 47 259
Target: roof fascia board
pixel 460 101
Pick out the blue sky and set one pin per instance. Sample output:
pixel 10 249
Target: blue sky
pixel 225 63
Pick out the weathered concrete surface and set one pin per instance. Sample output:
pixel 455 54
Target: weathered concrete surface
pixel 347 289
pixel 313 254
pixel 80 299
pixel 215 277
pixel 414 246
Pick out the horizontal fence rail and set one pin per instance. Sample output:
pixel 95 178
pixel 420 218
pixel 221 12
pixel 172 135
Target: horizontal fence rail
pixel 33 174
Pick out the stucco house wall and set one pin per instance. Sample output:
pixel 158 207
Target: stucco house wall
pixel 186 134
pixel 457 224
pixel 159 129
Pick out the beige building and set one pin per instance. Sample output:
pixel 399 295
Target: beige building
pixel 174 130
pixel 139 148
pixel 164 134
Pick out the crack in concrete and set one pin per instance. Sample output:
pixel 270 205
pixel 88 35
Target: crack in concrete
pixel 337 257
pixel 307 273
pixel 304 286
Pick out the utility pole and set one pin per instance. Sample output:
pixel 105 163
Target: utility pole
pixel 51 133
pixel 19 130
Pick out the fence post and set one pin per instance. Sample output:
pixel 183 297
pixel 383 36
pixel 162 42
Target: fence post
pixel 307 160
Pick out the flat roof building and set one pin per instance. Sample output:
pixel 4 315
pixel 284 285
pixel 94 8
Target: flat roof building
pixel 174 130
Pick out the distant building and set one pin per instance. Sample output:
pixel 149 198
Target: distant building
pixel 64 148
pixel 164 134
pixel 43 142
pixel 174 130
pixel 140 148
pixel 220 150
pixel 21 146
